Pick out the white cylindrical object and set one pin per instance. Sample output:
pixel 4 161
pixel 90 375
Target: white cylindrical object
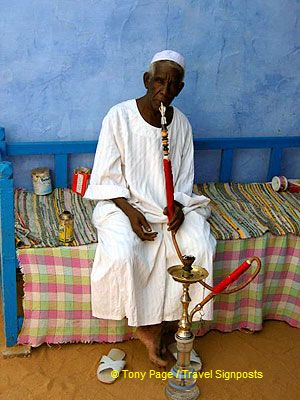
pixel 279 183
pixel 41 181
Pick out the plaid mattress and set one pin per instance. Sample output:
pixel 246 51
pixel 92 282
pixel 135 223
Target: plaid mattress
pixel 57 307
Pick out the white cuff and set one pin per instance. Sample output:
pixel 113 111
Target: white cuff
pixel 106 192
pixel 191 201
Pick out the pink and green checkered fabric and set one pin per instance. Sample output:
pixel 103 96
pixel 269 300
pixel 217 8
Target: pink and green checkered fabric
pixel 57 303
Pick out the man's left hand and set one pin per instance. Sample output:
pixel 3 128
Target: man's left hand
pixel 177 219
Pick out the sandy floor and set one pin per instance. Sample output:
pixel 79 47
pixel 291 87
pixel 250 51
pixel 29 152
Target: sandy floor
pixel 68 371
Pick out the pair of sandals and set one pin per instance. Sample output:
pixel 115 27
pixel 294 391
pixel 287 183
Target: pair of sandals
pixel 110 366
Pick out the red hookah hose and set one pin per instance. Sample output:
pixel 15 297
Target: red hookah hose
pixel 219 288
pixel 233 276
pixel 169 187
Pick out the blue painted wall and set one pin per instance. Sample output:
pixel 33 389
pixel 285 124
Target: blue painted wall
pixel 63 64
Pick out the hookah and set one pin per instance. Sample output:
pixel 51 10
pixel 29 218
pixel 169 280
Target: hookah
pixel 183 383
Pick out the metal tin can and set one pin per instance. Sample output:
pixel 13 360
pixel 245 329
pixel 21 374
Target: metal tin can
pixel 41 181
pixel 66 227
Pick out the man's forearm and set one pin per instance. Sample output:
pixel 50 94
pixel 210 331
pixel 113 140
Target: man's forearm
pixel 123 204
pixel 178 204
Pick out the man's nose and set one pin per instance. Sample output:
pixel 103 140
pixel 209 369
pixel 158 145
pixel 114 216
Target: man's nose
pixel 165 89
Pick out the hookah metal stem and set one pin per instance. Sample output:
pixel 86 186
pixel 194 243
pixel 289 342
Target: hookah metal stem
pixel 168 174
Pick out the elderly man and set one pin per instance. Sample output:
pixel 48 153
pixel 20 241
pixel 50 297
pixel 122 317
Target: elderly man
pixel 129 277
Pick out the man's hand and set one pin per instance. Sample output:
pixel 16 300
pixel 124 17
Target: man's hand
pixel 138 222
pixel 177 219
pixel 140 225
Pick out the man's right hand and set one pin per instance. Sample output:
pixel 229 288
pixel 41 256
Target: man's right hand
pixel 139 224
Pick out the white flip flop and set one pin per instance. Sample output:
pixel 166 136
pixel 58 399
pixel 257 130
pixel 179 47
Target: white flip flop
pixel 195 360
pixel 110 366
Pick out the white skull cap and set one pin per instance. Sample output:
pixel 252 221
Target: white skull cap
pixel 168 55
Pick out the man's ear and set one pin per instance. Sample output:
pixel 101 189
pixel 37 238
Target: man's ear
pixel 180 87
pixel 146 79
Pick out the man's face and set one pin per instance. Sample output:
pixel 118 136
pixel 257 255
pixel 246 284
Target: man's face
pixel 164 85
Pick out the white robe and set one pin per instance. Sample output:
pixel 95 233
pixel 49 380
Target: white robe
pixel 129 276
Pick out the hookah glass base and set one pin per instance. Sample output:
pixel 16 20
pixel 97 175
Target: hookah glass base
pixel 177 392
pixel 187 394
pixel 183 385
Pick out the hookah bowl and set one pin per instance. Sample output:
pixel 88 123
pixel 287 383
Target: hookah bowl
pixel 183 383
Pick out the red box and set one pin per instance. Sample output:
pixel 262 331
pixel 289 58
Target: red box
pixel 80 180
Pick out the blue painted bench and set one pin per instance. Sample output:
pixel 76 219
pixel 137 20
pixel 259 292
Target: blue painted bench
pixel 61 152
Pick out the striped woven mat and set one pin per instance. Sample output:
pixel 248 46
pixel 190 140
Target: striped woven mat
pixel 37 217
pixel 239 211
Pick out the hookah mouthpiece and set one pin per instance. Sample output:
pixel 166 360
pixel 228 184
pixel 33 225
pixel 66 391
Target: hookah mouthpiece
pixel 163 119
